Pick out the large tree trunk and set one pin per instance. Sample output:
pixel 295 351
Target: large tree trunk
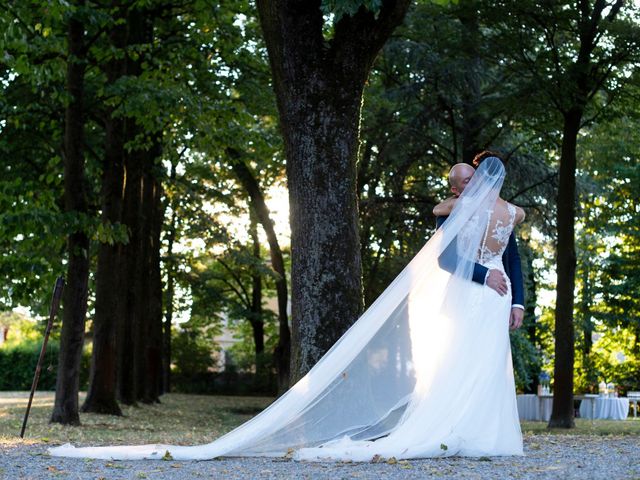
pixel 127 392
pixel 318 85
pixel 142 292
pixel 148 327
pixel 562 414
pixel 101 397
pixel 325 244
pixel 65 409
pixel 282 352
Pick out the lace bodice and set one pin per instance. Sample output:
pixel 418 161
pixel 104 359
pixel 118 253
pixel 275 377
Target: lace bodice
pixel 496 237
pixel 498 225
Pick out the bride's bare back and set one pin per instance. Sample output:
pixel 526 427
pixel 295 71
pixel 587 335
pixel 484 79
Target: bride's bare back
pixel 503 218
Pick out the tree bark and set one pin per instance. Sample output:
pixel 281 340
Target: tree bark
pixel 101 397
pixel 169 292
pixel 282 352
pixel 148 326
pixel 127 392
pixel 319 85
pixel 257 322
pixel 65 409
pixel 153 384
pixel 562 414
pixel 591 376
pixel 142 326
pixel 530 309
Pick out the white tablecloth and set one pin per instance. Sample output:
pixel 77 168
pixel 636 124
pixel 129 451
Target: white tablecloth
pixel 532 407
pixel 606 408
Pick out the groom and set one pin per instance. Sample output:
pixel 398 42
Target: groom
pixel 459 177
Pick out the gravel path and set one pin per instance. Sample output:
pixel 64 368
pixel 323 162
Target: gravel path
pixel 546 457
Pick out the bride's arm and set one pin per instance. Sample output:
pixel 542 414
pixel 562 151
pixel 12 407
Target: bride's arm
pixel 444 208
pixel 520 215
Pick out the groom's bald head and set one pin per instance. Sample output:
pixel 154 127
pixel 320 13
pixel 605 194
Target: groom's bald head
pixel 459 176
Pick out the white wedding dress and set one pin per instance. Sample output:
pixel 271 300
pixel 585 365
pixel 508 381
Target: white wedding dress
pixel 426 371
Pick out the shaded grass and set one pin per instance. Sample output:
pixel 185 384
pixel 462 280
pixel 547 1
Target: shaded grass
pixel 630 426
pixel 179 419
pixel 191 419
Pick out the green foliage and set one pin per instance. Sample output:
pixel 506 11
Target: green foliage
pixel 243 353
pixel 20 329
pixel 526 357
pixel 18 363
pixel 193 352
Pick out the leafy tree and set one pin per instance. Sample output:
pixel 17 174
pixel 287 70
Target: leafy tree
pixel 579 68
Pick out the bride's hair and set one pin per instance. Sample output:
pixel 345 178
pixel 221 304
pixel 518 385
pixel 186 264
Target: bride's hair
pixel 483 155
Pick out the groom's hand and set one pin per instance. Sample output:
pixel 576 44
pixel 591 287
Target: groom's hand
pixel 517 315
pixel 496 280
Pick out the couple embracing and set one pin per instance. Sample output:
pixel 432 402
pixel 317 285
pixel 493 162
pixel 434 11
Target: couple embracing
pixel 425 371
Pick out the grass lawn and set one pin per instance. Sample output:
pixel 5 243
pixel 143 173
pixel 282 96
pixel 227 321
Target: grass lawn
pixel 630 426
pixel 190 419
pixel 180 419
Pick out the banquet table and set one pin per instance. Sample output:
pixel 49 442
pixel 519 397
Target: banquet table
pixel 534 407
pixel 606 408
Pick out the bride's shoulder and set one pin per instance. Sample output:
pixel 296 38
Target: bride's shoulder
pixel 520 214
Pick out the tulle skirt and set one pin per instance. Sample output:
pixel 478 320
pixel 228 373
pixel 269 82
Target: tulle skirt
pixel 463 405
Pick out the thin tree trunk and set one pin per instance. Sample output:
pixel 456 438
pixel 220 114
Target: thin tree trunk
pixel 65 409
pixel 319 85
pixel 562 414
pixel 171 273
pixel 587 328
pixel 257 324
pixel 154 345
pixel 530 308
pixel 282 351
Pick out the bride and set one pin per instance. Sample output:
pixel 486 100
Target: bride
pixel 426 371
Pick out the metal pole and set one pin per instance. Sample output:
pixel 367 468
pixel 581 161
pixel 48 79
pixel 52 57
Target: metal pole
pixel 55 303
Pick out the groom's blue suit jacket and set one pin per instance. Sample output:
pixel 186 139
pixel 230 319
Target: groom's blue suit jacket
pixel 510 260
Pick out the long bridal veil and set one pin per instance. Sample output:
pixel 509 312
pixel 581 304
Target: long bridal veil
pixel 366 385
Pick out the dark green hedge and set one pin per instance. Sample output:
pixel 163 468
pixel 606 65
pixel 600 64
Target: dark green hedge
pixel 18 364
